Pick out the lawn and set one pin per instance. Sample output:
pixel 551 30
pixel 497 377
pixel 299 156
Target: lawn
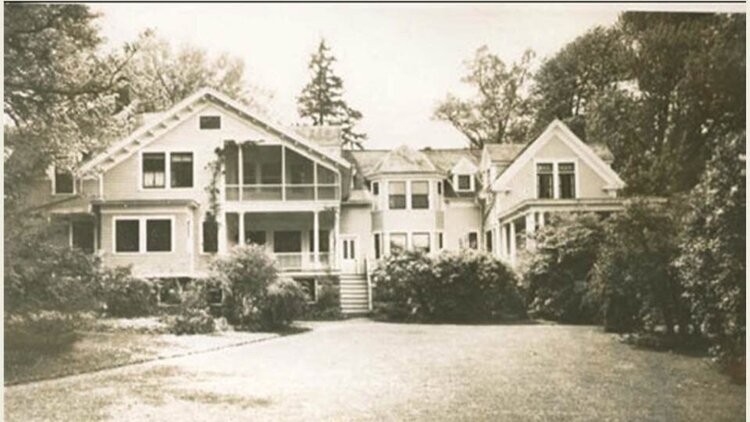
pixel 361 370
pixel 114 343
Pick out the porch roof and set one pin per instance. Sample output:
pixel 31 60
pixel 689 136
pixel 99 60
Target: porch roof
pixel 578 204
pixel 145 203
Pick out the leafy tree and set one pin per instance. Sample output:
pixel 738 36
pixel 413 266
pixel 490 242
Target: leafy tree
pixel 321 100
pixel 500 112
pixel 567 82
pixel 713 249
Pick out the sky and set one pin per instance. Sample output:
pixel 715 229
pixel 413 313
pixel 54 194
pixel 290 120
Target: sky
pixel 397 61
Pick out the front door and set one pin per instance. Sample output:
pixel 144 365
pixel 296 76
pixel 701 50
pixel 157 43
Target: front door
pixel 348 254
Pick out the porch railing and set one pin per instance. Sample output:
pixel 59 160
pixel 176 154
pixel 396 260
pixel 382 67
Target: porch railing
pixel 279 192
pixel 302 260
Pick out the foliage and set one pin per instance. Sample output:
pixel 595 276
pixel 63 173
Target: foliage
pixel 191 321
pixel 43 275
pixel 556 276
pixel 712 255
pixel 500 113
pixel 216 170
pixel 328 303
pixel 633 278
pixel 567 82
pixel 321 100
pixel 127 296
pixel 46 331
pixel 283 303
pixel 454 287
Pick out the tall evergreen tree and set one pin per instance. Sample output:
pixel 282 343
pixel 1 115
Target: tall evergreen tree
pixel 322 100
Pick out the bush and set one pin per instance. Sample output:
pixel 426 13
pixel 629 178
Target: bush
pixel 246 272
pixel 633 278
pixel 44 331
pixel 127 296
pixel 556 273
pixel 284 301
pixel 328 303
pixel 455 287
pixel 191 321
pixel 712 253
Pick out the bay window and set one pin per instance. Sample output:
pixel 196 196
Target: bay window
pixel 420 195
pixel 397 195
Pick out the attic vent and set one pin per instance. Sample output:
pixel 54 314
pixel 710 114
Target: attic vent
pixel 210 122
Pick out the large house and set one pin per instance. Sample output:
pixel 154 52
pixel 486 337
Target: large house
pixel 209 174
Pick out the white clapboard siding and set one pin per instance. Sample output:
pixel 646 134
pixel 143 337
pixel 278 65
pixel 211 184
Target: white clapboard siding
pixel 354 294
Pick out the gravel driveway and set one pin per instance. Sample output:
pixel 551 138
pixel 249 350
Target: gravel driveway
pixel 362 370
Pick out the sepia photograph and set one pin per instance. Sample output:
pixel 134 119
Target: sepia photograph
pixel 397 211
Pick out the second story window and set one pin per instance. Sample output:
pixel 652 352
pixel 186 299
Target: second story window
pixel 63 182
pixel 544 180
pixel 397 195
pixel 154 170
pixel 567 176
pixel 375 188
pixel 181 169
pixel 463 182
pixel 420 195
pixel 210 122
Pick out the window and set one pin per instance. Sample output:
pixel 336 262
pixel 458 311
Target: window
pixel 440 188
pixel 210 235
pixel 181 169
pixel 398 242
pixel 63 182
pixel 158 235
pixel 544 180
pixel 440 241
pixel 473 240
pixel 210 122
pixel 397 195
pixel 567 176
pixel 232 220
pixel 153 170
pixel 348 249
pixel 82 235
pixel 324 245
pixel 256 237
pixel 127 235
pixel 464 182
pixel 377 245
pixel 420 195
pixel 488 240
pixel 287 241
pixel 375 188
pixel 421 242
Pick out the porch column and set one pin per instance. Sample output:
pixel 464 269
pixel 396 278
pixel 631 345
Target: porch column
pixel 316 238
pixel 241 228
pixel 541 219
pixel 336 247
pixel 283 173
pixel 240 180
pixel 530 228
pixel 503 244
pixel 222 232
pixel 512 246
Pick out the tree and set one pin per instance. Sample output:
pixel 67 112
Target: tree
pixel 321 100
pixel 567 82
pixel 712 251
pixel 159 77
pixel 500 112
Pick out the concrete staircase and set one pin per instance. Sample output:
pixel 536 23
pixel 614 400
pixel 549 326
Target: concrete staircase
pixel 354 294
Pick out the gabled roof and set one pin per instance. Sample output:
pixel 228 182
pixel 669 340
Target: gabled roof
pixel 151 131
pixel 584 151
pixel 464 166
pixel 504 152
pixel 405 160
pixel 442 159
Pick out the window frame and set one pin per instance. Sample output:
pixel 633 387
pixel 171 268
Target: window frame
pixel 405 194
pixel 406 241
pixel 574 173
pixel 192 169
pixel 202 116
pixel 427 236
pixel 143 233
pixel 53 179
pixel 457 180
pixel 71 243
pixel 556 176
pixel 167 170
pixel 468 240
pixel 203 236
pixel 411 194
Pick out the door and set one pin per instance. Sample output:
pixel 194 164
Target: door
pixel 348 254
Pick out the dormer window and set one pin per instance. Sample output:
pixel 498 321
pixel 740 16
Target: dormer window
pixel 210 122
pixel 464 183
pixel 63 182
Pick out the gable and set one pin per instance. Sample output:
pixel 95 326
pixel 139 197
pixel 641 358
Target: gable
pixel 254 126
pixel 464 166
pixel 564 145
pixel 405 160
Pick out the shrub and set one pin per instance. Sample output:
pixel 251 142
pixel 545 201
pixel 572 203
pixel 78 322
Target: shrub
pixel 632 277
pixel 712 253
pixel 191 321
pixel 127 296
pixel 328 303
pixel 43 331
pixel 557 270
pixel 283 302
pixel 246 271
pixel 466 286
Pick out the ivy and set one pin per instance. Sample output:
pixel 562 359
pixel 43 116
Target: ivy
pixel 216 169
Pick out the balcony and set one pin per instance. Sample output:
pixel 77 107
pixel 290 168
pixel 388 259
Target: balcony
pixel 276 173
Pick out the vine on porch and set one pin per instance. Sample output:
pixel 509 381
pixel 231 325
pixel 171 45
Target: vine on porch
pixel 216 169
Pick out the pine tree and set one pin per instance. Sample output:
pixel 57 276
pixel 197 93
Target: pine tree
pixel 321 100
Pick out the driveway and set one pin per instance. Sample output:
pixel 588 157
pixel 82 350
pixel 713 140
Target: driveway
pixel 362 370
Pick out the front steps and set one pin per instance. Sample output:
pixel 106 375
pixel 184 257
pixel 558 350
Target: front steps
pixel 354 294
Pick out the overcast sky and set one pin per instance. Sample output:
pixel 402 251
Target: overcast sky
pixel 397 61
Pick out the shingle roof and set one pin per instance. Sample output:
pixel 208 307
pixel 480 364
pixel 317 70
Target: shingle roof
pixel 404 159
pixel 504 152
pixel 442 160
